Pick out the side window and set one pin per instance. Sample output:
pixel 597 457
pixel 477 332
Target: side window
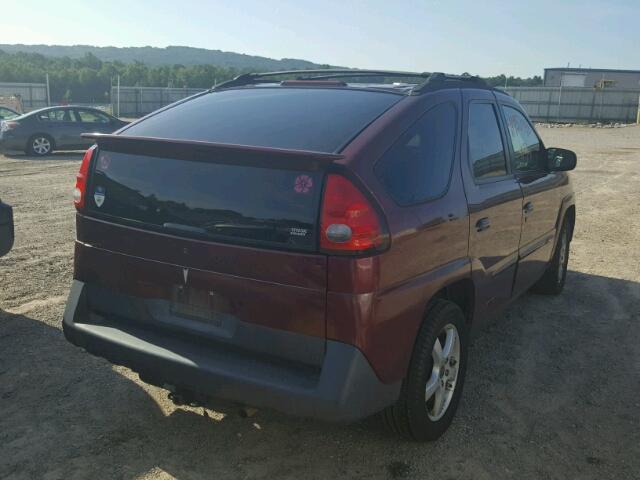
pixel 87 116
pixel 524 141
pixel 418 166
pixel 43 116
pixel 56 116
pixel 486 150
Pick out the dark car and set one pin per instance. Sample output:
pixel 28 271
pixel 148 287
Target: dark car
pixel 7 114
pixel 6 228
pixel 317 246
pixel 55 128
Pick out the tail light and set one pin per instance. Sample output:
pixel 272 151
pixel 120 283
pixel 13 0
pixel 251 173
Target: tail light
pixel 349 223
pixel 7 125
pixel 80 191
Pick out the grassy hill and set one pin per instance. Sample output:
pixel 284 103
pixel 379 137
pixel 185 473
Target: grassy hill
pixel 171 55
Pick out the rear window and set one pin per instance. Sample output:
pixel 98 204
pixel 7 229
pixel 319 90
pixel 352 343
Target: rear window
pixel 219 202
pixel 314 119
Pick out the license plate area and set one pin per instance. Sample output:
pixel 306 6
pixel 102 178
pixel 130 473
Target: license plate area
pixel 195 304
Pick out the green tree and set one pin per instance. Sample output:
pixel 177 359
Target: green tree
pixel 89 79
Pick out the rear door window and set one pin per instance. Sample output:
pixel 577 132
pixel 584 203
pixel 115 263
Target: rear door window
pixel 315 119
pixel 486 150
pixel 418 166
pixel 88 116
pixel 219 202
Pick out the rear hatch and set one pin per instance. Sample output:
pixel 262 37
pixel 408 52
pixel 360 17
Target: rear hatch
pixel 227 251
pixel 184 229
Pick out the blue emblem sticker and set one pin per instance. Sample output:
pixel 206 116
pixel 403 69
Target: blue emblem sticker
pixel 98 196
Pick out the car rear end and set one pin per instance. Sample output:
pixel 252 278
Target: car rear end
pixel 204 235
pixel 8 139
pixel 14 132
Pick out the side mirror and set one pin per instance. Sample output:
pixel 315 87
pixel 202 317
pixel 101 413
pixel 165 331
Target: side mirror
pixel 560 160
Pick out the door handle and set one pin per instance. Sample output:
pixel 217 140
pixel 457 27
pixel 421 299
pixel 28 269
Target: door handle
pixel 483 224
pixel 528 208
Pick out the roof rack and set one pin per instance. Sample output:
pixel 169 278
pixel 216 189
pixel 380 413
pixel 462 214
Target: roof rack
pixel 429 81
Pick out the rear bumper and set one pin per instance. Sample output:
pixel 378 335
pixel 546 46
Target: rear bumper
pixel 10 143
pixel 344 388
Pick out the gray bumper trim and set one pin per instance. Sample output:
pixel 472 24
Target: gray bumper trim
pixel 345 388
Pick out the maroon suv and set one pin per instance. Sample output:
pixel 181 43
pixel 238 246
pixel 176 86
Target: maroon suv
pixel 320 245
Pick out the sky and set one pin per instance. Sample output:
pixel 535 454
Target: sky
pixel 485 37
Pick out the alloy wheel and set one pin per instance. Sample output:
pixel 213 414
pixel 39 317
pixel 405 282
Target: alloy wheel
pixel 444 374
pixel 41 145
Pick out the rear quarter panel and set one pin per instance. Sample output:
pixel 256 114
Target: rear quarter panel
pixel 379 303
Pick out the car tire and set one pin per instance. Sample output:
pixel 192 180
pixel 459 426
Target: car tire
pixel 40 145
pixel 432 388
pixel 552 282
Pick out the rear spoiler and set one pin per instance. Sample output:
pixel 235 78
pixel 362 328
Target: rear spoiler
pixel 199 151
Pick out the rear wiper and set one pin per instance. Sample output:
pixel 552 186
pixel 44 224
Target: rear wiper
pixel 185 228
pixel 239 226
pixel 218 227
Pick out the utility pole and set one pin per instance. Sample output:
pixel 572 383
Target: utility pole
pixel 118 96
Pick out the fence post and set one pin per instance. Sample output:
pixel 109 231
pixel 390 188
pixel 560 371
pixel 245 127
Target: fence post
pixel 638 115
pixel 593 106
pixel 48 92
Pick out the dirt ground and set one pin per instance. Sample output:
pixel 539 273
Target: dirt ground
pixel 553 387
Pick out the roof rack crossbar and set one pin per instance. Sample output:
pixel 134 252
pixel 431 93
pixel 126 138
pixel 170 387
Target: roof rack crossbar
pixel 431 80
pixel 249 78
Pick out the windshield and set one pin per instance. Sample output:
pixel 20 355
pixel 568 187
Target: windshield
pixel 6 114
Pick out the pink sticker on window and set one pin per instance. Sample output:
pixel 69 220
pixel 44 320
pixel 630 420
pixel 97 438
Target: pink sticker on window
pixel 303 184
pixel 104 162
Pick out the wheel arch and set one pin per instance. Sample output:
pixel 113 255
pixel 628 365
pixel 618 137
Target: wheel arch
pixel 461 292
pixel 570 216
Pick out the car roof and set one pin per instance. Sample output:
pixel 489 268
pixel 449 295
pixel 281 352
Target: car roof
pixel 63 107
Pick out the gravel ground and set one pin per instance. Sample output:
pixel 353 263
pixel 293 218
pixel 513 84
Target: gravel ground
pixel 553 387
